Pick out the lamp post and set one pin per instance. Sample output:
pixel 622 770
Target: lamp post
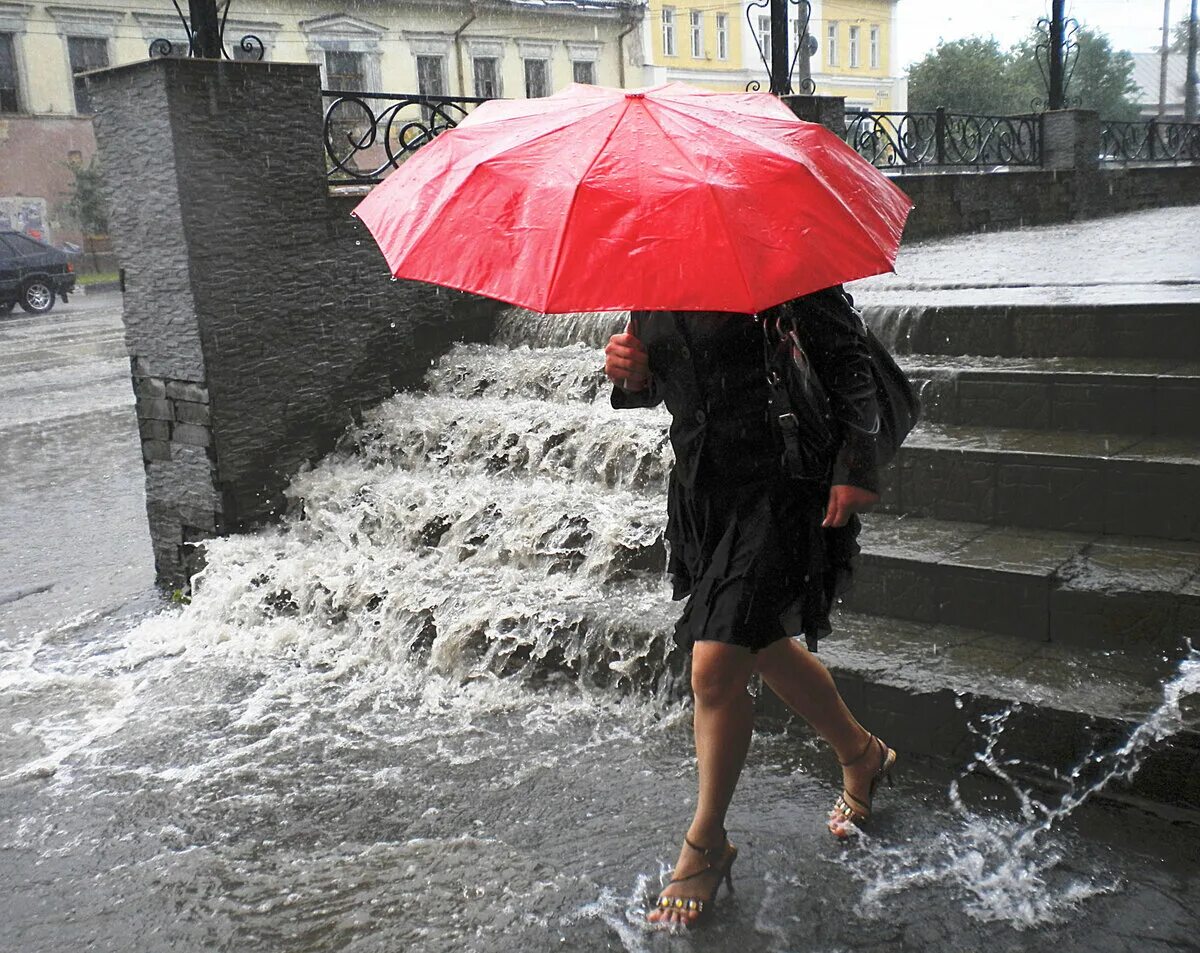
pixel 205 29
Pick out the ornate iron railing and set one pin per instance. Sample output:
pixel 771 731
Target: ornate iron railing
pixel 1150 141
pixel 369 134
pixel 916 140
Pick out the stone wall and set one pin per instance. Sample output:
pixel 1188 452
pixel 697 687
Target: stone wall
pixel 259 319
pixel 953 203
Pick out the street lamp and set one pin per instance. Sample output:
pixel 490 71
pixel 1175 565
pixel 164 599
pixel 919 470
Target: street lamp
pixel 206 34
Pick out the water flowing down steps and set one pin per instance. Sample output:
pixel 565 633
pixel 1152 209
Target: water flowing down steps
pixel 1038 550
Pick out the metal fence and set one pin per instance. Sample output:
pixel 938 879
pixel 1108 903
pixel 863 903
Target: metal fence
pixel 369 134
pixel 1149 141
pixel 918 140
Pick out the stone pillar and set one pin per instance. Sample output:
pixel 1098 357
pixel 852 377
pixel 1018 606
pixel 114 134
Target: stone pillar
pixel 258 321
pixel 1071 139
pixel 829 111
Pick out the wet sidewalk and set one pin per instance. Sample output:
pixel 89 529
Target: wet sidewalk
pixel 1146 257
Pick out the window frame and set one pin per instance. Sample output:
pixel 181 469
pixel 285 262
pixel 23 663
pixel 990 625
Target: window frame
pixel 668 31
pixel 874 35
pixel 722 36
pixel 591 68
pixel 696 33
pixel 442 76
pixel 526 62
pixel 763 33
pixel 854 44
pixel 328 73
pixel 831 43
pixel 17 97
pixel 76 41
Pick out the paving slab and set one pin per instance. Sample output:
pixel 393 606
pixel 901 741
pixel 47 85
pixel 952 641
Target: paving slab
pixel 1124 594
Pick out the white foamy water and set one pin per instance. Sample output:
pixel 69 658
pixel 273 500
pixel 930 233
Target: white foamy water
pixel 1011 869
pixel 436 707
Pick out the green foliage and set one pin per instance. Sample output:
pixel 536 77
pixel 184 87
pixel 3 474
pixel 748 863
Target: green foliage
pixel 1101 78
pixel 965 76
pixel 181 598
pixel 86 204
pixel 1179 38
pixel 975 76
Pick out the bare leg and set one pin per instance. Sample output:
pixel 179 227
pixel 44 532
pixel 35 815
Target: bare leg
pixel 807 688
pixel 724 720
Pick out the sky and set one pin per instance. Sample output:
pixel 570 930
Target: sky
pixel 1134 25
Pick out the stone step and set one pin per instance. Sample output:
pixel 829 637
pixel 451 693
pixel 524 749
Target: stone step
pixel 1170 330
pixel 1128 596
pixel 928 689
pixel 1093 483
pixel 1148 396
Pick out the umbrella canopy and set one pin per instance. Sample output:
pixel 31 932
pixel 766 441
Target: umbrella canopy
pixel 668 198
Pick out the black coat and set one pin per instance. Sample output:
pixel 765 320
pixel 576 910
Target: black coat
pixel 709 368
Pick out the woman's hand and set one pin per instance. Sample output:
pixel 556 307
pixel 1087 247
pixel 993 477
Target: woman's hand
pixel 626 363
pixel 845 500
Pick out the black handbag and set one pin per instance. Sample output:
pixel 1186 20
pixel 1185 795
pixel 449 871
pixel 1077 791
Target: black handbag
pixel 809 434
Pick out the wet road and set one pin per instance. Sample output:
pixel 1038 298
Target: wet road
pixel 73 538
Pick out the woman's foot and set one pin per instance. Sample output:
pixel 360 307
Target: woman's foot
pixel 694 883
pixel 860 776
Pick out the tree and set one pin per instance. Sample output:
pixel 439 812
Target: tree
pixel 86 204
pixel 1100 77
pixel 971 75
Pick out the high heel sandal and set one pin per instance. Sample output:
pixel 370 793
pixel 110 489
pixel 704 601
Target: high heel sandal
pixel 701 906
pixel 850 810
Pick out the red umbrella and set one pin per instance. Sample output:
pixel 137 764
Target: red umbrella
pixel 669 198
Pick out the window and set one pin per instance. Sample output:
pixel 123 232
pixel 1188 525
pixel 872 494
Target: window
pixel 874 47
pixel 344 71
pixel 722 36
pixel 668 31
pixel 86 53
pixel 764 36
pixel 584 71
pixel 696 23
pixel 487 76
pixel 831 50
pixel 854 31
pixel 431 76
pixel 537 78
pixel 10 89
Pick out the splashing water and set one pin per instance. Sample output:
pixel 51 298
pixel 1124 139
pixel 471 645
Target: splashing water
pixel 1009 869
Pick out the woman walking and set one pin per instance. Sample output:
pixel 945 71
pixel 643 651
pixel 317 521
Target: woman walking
pixel 759 554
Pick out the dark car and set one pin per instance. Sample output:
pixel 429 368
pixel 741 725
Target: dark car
pixel 32 274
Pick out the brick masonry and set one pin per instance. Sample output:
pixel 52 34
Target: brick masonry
pixel 260 321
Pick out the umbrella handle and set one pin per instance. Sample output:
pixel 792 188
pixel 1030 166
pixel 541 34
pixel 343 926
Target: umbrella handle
pixel 631 328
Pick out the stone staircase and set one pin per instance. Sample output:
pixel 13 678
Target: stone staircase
pixel 1040 538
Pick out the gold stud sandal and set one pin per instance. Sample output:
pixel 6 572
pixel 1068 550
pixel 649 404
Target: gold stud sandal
pixel 696 905
pixel 849 810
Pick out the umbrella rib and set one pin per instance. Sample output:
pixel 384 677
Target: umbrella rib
pixel 716 204
pixel 562 235
pixel 772 147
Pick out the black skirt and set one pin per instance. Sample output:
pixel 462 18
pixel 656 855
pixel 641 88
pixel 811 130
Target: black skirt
pixel 754 562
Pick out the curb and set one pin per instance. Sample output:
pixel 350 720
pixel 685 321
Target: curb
pixel 99 287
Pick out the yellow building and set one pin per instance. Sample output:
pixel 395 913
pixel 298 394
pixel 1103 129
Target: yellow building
pixel 857 54
pixel 721 46
pixel 700 42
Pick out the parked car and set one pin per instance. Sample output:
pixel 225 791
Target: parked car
pixel 32 274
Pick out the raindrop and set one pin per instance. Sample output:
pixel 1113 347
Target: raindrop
pixel 358 241
pixel 391 324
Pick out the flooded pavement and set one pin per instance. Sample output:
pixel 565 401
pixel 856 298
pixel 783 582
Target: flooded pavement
pixel 438 709
pixel 296 787
pixel 1139 257
pixel 74 540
